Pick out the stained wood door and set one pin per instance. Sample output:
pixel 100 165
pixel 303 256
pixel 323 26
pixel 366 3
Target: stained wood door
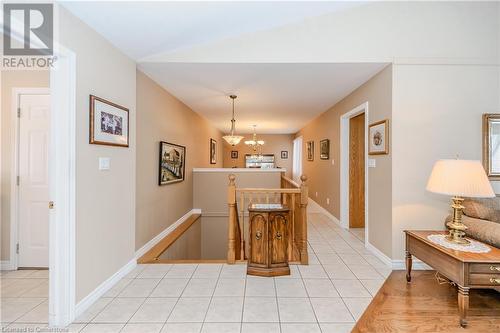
pixel 278 234
pixel 34 181
pixel 357 171
pixel 258 240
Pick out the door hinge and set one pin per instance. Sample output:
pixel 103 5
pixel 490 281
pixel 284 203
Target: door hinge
pixel 18 112
pixel 17 248
pixel 18 180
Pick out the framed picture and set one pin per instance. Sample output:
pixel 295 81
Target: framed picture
pixel 379 138
pixel 108 123
pixel 213 151
pixel 172 163
pixel 284 154
pixel 234 154
pixel 310 150
pixel 324 149
pixel 491 140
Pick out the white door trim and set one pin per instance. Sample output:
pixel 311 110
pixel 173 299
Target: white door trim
pixel 14 189
pixel 344 166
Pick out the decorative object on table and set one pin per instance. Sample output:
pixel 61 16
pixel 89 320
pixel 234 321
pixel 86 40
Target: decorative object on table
pixel 234 154
pixel 284 154
pixel 255 143
pixel 310 150
pixel 491 140
pixel 324 149
pixel 213 151
pixel 108 123
pixel 472 247
pixel 268 240
pixel 378 139
pixel 233 139
pixel 459 178
pixel 172 163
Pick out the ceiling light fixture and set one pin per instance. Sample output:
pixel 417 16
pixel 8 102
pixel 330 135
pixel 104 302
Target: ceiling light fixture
pixel 256 144
pixel 232 139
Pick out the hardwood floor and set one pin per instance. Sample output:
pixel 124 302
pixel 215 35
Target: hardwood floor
pixel 425 306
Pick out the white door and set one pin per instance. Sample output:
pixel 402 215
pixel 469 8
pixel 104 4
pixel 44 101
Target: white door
pixel 297 159
pixel 34 181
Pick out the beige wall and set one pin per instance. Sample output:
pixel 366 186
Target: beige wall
pixel 162 117
pixel 274 144
pixel 105 207
pixel 324 177
pixel 10 80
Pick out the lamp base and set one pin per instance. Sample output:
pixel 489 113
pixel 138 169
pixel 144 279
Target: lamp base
pixel 457 228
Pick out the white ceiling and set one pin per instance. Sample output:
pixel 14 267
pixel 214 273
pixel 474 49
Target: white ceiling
pixel 146 28
pixel 278 98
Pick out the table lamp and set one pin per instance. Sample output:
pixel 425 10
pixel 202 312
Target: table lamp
pixel 459 179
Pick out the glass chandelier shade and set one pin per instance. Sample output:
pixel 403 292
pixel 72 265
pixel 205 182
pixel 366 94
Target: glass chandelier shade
pixel 256 144
pixel 233 139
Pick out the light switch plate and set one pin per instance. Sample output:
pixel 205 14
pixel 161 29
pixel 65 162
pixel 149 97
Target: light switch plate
pixel 372 163
pixel 104 163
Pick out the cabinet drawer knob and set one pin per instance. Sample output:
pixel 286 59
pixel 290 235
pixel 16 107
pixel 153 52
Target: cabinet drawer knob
pixel 258 235
pixel 278 236
pixel 495 280
pixel 495 268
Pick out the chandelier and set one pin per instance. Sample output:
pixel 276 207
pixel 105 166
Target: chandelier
pixel 254 143
pixel 232 139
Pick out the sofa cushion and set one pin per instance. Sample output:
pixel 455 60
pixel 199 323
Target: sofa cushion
pixel 483 209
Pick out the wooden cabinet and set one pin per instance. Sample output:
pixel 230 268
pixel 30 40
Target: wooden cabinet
pixel 268 240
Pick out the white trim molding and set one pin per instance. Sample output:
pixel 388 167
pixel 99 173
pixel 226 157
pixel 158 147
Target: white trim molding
pixel 314 207
pixel 379 254
pixel 104 287
pixel 149 245
pixel 417 265
pixel 6 265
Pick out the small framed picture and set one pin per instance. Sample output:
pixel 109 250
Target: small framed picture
pixel 310 150
pixel 324 149
pixel 234 154
pixel 172 163
pixel 379 138
pixel 213 151
pixel 108 123
pixel 284 154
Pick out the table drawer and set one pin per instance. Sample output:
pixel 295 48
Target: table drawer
pixel 485 279
pixel 485 268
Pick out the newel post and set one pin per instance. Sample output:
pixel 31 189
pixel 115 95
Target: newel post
pixel 231 201
pixel 304 198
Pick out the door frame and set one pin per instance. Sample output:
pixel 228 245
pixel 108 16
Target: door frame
pixel 62 180
pixel 14 188
pixel 344 166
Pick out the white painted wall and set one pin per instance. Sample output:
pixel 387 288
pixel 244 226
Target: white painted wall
pixel 105 207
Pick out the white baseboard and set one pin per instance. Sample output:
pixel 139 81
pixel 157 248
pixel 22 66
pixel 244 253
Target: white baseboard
pixel 6 265
pixel 85 303
pixel 149 245
pixel 314 207
pixel 379 254
pixel 416 265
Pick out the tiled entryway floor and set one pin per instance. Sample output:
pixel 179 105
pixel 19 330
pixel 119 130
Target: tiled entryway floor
pixel 328 295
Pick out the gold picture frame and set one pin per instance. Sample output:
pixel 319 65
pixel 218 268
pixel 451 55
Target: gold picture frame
pixel 490 139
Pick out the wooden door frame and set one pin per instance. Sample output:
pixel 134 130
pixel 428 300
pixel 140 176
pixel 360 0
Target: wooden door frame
pixel 14 188
pixel 344 166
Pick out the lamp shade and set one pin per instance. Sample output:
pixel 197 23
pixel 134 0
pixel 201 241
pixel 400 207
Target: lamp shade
pixel 463 178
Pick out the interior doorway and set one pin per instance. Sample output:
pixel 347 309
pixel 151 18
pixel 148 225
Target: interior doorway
pixel 354 171
pixel 357 171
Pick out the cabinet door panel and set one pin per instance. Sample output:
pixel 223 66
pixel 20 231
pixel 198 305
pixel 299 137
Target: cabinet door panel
pixel 258 240
pixel 278 234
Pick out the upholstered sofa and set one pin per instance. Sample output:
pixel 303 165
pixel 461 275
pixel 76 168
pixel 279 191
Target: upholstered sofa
pixel 482 217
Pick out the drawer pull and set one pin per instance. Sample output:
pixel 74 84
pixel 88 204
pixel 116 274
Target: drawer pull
pixel 258 235
pixel 495 268
pixel 278 236
pixel 493 280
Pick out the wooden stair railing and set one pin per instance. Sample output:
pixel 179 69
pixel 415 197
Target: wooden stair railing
pixel 291 194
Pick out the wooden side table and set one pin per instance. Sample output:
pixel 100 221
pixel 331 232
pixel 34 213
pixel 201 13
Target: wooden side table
pixel 268 240
pixel 468 270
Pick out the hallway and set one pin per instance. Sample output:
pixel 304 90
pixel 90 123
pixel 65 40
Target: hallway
pixel 326 296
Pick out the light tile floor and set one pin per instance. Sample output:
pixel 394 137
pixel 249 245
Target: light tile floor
pixel 328 295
